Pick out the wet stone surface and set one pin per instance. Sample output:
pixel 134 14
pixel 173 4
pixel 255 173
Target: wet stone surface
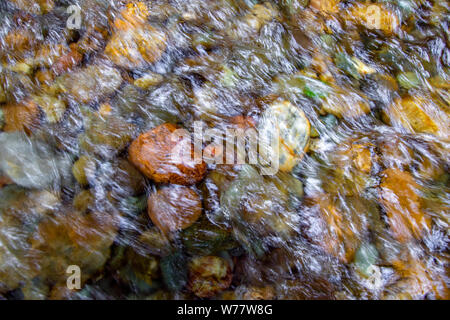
pixel 225 149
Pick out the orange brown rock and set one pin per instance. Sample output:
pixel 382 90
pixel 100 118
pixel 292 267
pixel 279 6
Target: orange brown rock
pixel 153 153
pixel 401 202
pixel 67 61
pixel 174 208
pixel 209 275
pixel 4 180
pixel 132 15
pixel 22 116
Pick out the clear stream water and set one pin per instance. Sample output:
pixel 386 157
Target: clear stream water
pixel 357 91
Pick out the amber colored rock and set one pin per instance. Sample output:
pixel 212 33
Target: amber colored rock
pixel 72 239
pixel 417 280
pixel 243 122
pixel 352 162
pixel 4 180
pixel 18 40
pixel 174 208
pixel 134 14
pixel 343 105
pixel 84 201
pixel 83 169
pixel 208 276
pixel 375 16
pixel 67 61
pixel 45 77
pixel 401 202
pixel 260 15
pixel 136 47
pixel 259 293
pixel 362 158
pixel 395 152
pixel 93 39
pixel 342 225
pixel 23 116
pixel 325 6
pixel 47 54
pixel 335 240
pixel 429 169
pixel 356 154
pixel 148 80
pixel 53 108
pixel 155 152
pixel 415 115
pixel 34 6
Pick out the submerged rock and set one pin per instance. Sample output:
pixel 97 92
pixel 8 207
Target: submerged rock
pixel 174 208
pixel 72 239
pixel 401 201
pixel 18 41
pixel 252 23
pixel 417 281
pixel 20 211
pixel 2 95
pixel 160 157
pixel 106 135
pixel 53 108
pixel 288 125
pixel 256 293
pixel 134 14
pixel 353 162
pixel 375 16
pixel 148 80
pixel 204 238
pixel 57 57
pixel 344 105
pixel 260 15
pixel 83 170
pixel 209 275
pixel 15 87
pixel 136 47
pixel 127 179
pixel 259 206
pixel 141 271
pixel 418 115
pixel 94 172
pixel 31 163
pixel 34 6
pixel 84 201
pixel 341 225
pixel 325 6
pixel 90 83
pixel 20 117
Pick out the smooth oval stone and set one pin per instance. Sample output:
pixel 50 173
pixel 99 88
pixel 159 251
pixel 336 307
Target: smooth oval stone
pixel 291 126
pixel 27 162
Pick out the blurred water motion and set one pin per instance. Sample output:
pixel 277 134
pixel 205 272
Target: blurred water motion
pixel 355 92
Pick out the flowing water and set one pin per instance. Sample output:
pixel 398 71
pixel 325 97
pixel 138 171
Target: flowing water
pixel 355 94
